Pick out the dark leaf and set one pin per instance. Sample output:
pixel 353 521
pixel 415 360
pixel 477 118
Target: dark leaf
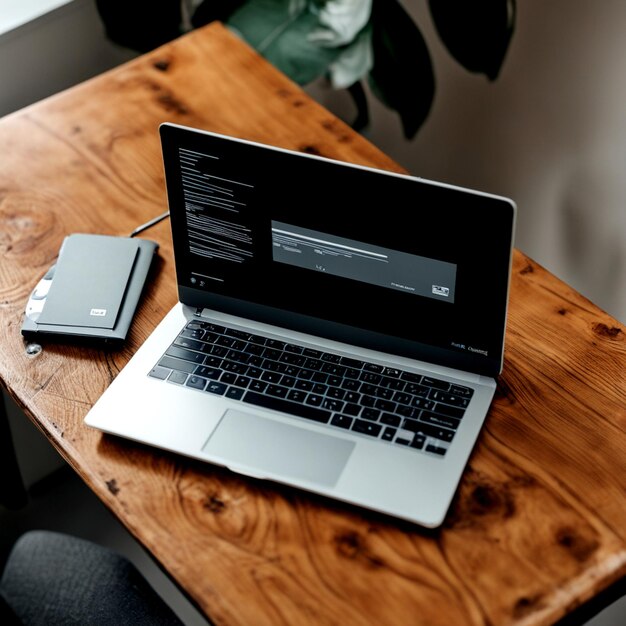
pixel 402 76
pixel 476 33
pixel 138 24
pixel 362 119
pixel 210 11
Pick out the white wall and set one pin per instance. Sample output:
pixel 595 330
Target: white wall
pixel 48 45
pixel 550 133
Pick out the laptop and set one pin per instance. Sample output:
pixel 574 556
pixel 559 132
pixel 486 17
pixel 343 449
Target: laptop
pixel 340 329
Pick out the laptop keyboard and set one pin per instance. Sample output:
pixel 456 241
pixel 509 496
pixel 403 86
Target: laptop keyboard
pixel 396 406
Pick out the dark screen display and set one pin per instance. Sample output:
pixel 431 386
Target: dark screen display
pixel 423 264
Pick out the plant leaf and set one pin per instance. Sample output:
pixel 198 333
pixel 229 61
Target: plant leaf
pixel 362 119
pixel 210 11
pixel 402 75
pixel 279 30
pixel 476 33
pixel 342 21
pixel 354 62
pixel 137 25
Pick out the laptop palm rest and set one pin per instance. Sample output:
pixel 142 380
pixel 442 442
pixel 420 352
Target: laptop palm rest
pixel 271 447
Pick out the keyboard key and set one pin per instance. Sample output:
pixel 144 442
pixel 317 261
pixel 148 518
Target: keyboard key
pixel 314 399
pixel 429 430
pixel 352 397
pixel 177 364
pixel 237 334
pixel 159 372
pixel 418 441
pixel 352 409
pixel 319 389
pixel 466 392
pixel 277 390
pixel 422 403
pixel 331 358
pixel 280 404
pixel 369 377
pixel 207 372
pixel 216 388
pixel 234 367
pixel 416 390
pixel 193 333
pixel 343 421
pixel 446 409
pixel 434 382
pixel 290 347
pixel 214 328
pixel 439 420
pixel 392 383
pixel 373 367
pixel 370 414
pixel 228 378
pixel 436 449
pixel 190 344
pixel 313 364
pixel 385 405
pixel 448 398
pixel 334 369
pixel 411 377
pixel 391 420
pixel 304 385
pixel 333 405
pixel 271 377
pixel 234 393
pixel 178 377
pixel 187 355
pixel 366 428
pixel 353 363
pixel 319 377
pixel 391 371
pixel 352 373
pixel 196 382
pixel 316 354
pixel 388 433
pixel 336 393
pixel 258 385
pixel 296 395
pixel 275 344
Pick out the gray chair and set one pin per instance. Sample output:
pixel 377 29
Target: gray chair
pixel 52 579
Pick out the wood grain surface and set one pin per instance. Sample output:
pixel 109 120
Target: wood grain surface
pixel 538 525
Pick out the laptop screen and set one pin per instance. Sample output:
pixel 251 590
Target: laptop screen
pixel 363 256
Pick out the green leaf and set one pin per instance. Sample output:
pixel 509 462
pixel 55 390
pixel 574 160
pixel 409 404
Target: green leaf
pixel 279 30
pixel 402 76
pixel 476 33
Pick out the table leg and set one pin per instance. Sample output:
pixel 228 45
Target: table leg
pixel 12 492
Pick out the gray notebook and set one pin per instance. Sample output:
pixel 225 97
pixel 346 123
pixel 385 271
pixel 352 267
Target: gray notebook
pixel 93 289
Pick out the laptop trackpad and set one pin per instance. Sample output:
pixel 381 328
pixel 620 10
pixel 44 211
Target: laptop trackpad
pixel 271 447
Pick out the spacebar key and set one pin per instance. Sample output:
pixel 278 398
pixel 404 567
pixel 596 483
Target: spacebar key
pixel 278 404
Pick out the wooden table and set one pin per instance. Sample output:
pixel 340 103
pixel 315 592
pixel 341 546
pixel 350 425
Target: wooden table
pixel 539 523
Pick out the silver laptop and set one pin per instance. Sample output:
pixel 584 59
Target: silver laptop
pixel 339 329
